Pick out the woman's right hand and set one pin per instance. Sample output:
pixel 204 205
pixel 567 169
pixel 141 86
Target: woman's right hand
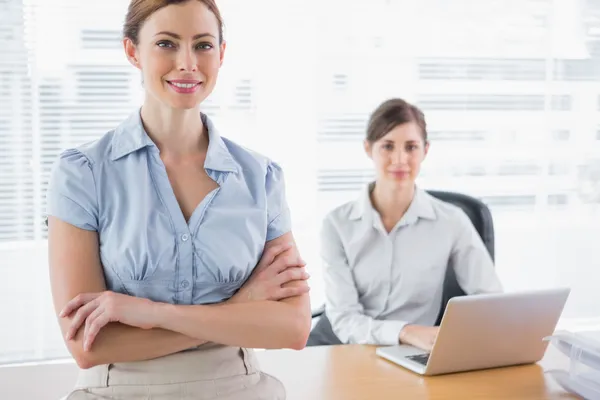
pixel 419 336
pixel 278 266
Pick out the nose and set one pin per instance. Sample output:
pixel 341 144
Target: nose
pixel 399 157
pixel 186 60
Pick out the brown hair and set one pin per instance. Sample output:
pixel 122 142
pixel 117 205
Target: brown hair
pixel 140 10
pixel 392 113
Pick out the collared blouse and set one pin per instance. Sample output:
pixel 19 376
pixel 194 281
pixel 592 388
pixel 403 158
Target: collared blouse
pixel 376 283
pixel 118 186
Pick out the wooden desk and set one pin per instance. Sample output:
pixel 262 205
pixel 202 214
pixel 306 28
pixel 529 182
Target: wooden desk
pixel 355 372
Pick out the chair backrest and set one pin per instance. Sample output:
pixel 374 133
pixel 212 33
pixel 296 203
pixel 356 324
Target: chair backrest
pixel 481 218
pixel 476 210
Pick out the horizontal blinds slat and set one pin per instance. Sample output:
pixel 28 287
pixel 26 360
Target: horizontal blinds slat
pixel 17 192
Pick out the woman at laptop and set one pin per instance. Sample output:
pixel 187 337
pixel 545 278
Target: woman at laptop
pixel 386 253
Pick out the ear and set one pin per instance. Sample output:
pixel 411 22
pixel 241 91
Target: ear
pixel 368 148
pixel 222 48
pixel 131 53
pixel 426 149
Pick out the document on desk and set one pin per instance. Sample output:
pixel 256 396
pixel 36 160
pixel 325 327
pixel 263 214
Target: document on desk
pixel 583 349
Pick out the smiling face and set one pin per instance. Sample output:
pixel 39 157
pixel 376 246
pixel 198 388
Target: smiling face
pixel 179 53
pixel 398 155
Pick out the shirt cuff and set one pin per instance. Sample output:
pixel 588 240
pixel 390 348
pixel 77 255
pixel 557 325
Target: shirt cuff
pixel 390 332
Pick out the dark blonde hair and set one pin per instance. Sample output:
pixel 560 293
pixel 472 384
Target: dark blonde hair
pixel 392 113
pixel 140 10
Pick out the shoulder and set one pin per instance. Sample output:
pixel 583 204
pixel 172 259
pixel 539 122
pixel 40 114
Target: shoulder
pixel 92 153
pixel 447 213
pixel 250 161
pixel 78 160
pixel 340 216
pixel 127 137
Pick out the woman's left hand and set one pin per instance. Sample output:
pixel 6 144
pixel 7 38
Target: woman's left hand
pixel 98 309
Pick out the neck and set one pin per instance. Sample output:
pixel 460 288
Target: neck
pixel 391 202
pixel 176 132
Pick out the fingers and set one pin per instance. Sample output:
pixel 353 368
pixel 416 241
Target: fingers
pixel 272 252
pixel 283 263
pixel 292 291
pixel 292 274
pixel 80 317
pixel 77 302
pixel 428 338
pixel 96 321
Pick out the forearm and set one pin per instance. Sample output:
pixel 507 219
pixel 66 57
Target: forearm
pixel 358 328
pixel 259 324
pixel 121 343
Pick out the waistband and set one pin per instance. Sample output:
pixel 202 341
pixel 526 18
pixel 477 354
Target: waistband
pixel 204 363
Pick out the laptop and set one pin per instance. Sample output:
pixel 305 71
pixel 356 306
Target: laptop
pixel 486 331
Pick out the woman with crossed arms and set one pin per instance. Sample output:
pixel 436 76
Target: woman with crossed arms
pixel 170 247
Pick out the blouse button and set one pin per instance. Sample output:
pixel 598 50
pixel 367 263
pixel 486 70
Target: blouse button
pixel 185 237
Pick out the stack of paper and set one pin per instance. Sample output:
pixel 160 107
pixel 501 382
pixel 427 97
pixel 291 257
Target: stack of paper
pixel 583 375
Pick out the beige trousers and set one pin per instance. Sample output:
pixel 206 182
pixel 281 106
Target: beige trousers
pixel 208 372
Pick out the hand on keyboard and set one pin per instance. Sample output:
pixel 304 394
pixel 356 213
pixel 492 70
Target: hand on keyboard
pixel 419 336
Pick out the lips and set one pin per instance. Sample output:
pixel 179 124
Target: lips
pixel 184 86
pixel 400 174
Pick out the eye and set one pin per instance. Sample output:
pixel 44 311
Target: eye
pixel 388 146
pixel 412 147
pixel 204 46
pixel 165 44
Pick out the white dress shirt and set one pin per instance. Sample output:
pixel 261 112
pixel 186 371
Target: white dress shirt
pixel 376 283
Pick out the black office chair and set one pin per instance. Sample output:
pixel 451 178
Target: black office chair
pixel 322 334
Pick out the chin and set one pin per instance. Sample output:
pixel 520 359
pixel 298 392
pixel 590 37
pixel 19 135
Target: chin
pixel 401 183
pixel 184 101
pixel 184 104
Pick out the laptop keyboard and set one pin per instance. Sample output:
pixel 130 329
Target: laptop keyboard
pixel 420 358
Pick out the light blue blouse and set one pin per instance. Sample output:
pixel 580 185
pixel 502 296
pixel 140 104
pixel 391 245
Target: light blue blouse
pixel 118 186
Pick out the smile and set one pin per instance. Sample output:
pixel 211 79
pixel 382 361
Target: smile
pixel 400 174
pixel 184 87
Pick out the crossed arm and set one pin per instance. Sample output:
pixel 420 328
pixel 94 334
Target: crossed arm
pixel 133 329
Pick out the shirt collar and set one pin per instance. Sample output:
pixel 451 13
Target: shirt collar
pixel 218 157
pixel 130 136
pixel 420 207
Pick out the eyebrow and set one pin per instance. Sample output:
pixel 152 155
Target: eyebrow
pixel 176 36
pixel 407 142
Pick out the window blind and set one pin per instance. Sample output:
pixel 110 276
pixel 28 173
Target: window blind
pixel 17 191
pixel 491 77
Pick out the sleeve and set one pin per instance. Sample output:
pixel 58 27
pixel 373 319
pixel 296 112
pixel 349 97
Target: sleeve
pixel 343 307
pixel 278 213
pixel 71 193
pixel 471 260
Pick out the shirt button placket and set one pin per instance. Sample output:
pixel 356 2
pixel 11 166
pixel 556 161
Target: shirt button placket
pixel 185 268
pixel 390 255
